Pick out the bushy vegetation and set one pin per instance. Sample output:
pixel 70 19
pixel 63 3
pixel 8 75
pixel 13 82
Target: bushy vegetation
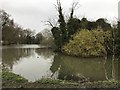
pixel 87 43
pixel 67 29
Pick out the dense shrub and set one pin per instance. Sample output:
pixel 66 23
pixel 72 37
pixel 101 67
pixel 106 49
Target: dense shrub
pixel 87 43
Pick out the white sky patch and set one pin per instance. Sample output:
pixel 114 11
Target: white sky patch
pixel 31 13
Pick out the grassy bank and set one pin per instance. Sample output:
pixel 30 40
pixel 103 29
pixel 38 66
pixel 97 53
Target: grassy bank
pixel 11 80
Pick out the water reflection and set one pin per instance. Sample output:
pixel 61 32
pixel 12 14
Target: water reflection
pixel 45 53
pixel 35 63
pixel 28 62
pixel 12 55
pixel 92 69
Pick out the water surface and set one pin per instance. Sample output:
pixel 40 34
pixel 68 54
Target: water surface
pixel 33 62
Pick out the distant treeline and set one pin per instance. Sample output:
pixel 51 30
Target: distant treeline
pixel 12 33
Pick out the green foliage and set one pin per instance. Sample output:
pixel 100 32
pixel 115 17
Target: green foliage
pixel 60 33
pixel 62 24
pixel 72 26
pixel 91 25
pixel 9 76
pixel 49 81
pixel 101 22
pixel 84 23
pixel 57 37
pixel 87 43
pixel 64 32
pixel 117 40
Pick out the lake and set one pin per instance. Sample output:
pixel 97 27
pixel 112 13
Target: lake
pixel 34 62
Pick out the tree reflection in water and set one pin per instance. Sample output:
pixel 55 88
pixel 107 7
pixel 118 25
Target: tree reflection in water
pixel 82 69
pixel 11 56
pixel 66 67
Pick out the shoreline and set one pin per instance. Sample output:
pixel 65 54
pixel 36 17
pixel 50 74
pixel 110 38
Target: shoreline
pixel 11 80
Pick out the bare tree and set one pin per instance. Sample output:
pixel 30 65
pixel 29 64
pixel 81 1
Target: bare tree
pixel 51 22
pixel 74 7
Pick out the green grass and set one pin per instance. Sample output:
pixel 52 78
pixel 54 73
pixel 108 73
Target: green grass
pixel 11 80
pixel 49 81
pixel 9 76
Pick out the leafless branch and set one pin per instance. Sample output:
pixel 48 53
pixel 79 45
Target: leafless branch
pixel 74 7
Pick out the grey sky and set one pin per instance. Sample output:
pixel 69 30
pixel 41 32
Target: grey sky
pixel 119 10
pixel 31 13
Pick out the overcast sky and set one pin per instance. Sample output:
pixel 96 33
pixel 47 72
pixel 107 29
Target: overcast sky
pixel 31 13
